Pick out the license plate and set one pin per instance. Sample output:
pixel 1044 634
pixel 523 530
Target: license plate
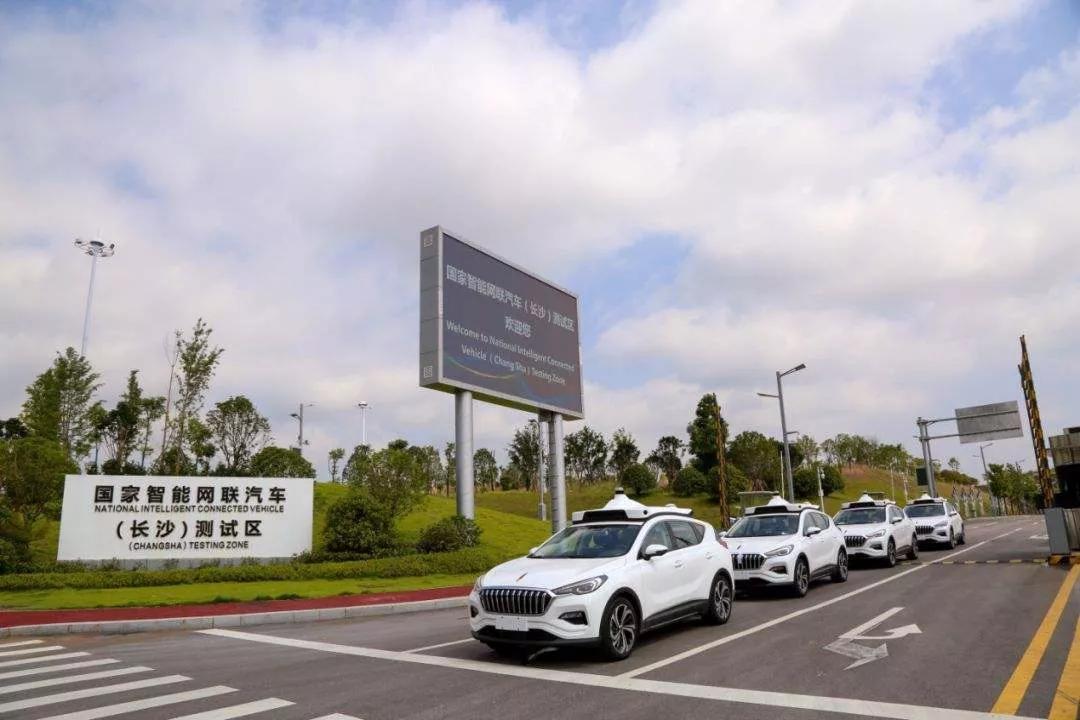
pixel 508 622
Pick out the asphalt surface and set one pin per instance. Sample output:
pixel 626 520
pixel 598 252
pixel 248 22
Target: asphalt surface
pixel 954 627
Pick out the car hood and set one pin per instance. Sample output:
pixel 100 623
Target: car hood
pixel 758 544
pixel 548 573
pixel 864 529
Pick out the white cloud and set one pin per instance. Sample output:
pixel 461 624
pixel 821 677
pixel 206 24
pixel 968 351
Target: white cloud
pixel 274 181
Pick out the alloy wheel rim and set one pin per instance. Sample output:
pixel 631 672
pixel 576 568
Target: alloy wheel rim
pixel 723 598
pixel 622 628
pixel 843 564
pixel 892 552
pixel 803 575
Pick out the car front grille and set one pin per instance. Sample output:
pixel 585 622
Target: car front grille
pixel 924 529
pixel 854 540
pixel 747 561
pixel 515 601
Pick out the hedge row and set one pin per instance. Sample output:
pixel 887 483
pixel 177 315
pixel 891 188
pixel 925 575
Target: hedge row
pixel 469 560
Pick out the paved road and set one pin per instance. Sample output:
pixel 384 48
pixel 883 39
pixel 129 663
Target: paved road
pixel 953 635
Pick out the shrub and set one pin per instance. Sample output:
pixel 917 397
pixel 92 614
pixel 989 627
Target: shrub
pixel 13 556
pixel 689 481
pixel 638 480
pixel 358 524
pixel 449 534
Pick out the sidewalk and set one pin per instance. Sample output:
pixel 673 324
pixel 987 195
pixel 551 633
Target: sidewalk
pixel 175 617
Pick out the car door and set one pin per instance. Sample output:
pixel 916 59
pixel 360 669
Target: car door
pixel 902 527
pixel 660 575
pixel 812 541
pixel 954 519
pixel 830 538
pixel 691 554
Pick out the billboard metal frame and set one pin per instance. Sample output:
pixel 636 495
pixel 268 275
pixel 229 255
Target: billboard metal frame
pixel 431 310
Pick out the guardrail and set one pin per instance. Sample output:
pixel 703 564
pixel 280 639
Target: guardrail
pixel 1063 530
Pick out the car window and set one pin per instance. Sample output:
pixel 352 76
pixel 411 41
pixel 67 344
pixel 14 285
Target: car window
pixel 894 513
pixel 657 535
pixel 924 510
pixel 589 541
pixel 765 526
pixel 699 531
pixel 859 516
pixel 808 522
pixel 822 521
pixel 682 534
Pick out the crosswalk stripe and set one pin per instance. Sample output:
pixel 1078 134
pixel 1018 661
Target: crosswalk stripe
pixel 89 692
pixel 68 679
pixel 136 705
pixel 56 668
pixel 31 651
pixel 50 658
pixel 20 643
pixel 236 711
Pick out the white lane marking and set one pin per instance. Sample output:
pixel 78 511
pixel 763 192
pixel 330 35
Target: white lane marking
pixel 50 658
pixel 752 697
pixel 20 643
pixel 440 645
pixel 31 651
pixel 236 711
pixel 845 644
pixel 797 613
pixel 68 679
pixel 336 716
pixel 135 705
pixel 56 668
pixel 90 692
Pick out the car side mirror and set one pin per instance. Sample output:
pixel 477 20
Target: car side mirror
pixel 532 551
pixel 811 531
pixel 655 550
pixel 721 534
pixel 896 520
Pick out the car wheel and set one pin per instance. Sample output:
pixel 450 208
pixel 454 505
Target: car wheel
pixel 721 598
pixel 913 551
pixel 619 629
pixel 963 536
pixel 890 553
pixel 840 573
pixel 952 539
pixel 801 578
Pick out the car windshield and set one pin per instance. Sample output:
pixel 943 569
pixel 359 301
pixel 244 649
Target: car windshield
pixel 589 541
pixel 861 516
pixel 765 526
pixel 928 510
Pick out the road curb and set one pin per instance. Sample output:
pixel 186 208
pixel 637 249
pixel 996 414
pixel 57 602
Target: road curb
pixel 205 622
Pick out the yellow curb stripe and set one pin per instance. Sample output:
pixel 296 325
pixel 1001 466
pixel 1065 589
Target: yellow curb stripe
pixel 991 562
pixel 1012 694
pixel 1067 698
pixel 1016 561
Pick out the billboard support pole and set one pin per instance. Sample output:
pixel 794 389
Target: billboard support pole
pixel 542 462
pixel 557 472
pixel 928 461
pixel 463 452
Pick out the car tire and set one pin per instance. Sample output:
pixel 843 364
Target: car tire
pixel 619 628
pixel 721 600
pixel 890 553
pixel 841 572
pixel 952 540
pixel 800 578
pixel 913 551
pixel 963 536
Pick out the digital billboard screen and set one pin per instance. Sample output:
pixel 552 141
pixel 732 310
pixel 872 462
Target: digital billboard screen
pixel 490 327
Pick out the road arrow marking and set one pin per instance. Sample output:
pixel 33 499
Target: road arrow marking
pixel 845 644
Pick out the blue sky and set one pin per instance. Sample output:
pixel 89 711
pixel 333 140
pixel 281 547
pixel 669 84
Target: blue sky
pixel 881 190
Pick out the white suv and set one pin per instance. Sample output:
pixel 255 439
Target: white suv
pixel 936 521
pixel 610 576
pixel 782 544
pixel 877 529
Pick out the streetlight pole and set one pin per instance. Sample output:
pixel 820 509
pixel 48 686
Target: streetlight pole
pixel 95 249
pixel 363 405
pixel 982 454
pixel 783 427
pixel 300 436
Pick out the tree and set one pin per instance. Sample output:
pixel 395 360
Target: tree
pixel 832 480
pixel 200 442
pixel 805 482
pixel 238 431
pixel 430 465
pixel 356 464
pixel 358 524
pixel 511 478
pixel 485 469
pixel 758 458
pixel 954 465
pixel 586 455
pixel 58 403
pixel 704 433
pixel 13 429
pixel 450 476
pixel 334 462
pixel 198 361
pixel 689 481
pixel 394 478
pixel 273 461
pixel 807 448
pixel 638 480
pixel 32 473
pixel 118 429
pixel 668 456
pixel 624 452
pixel 152 410
pixel 524 452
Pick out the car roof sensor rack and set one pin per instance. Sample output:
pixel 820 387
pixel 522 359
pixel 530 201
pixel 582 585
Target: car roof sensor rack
pixel 622 509
pixel 778 505
pixel 865 502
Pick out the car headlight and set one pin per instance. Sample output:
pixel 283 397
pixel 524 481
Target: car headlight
pixel 583 587
pixel 780 551
pixel 876 533
pixel 478 586
pixel 943 523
